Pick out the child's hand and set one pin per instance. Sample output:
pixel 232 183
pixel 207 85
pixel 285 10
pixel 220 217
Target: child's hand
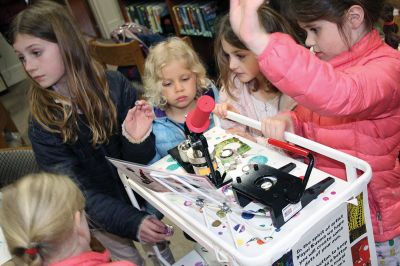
pixel 138 120
pixel 221 109
pixel 245 23
pixel 152 230
pixel 275 127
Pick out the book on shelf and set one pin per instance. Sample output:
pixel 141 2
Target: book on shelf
pixel 193 17
pixel 209 12
pixel 153 15
pixel 196 17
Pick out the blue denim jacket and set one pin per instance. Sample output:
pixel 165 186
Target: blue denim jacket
pixel 169 133
pixel 106 200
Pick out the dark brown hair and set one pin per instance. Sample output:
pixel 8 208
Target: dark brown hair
pixel 86 80
pixel 334 10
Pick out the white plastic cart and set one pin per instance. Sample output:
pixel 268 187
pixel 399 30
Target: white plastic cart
pixel 334 229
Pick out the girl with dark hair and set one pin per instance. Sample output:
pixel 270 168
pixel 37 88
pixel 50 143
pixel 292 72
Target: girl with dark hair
pixel 348 93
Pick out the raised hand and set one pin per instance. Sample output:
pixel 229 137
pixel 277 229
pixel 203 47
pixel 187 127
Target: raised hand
pixel 138 120
pixel 246 25
pixel 221 109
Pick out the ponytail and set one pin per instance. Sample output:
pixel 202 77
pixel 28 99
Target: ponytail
pixel 37 216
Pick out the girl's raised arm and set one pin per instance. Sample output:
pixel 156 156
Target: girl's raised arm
pixel 245 23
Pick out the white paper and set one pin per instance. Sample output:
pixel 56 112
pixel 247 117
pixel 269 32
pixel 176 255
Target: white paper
pixel 326 243
pixel 4 253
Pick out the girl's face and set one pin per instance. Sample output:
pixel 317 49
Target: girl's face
pixel 242 63
pixel 41 59
pixel 325 39
pixel 179 85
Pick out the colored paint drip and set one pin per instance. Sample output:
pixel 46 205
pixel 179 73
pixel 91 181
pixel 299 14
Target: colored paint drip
pixel 221 214
pixel 247 215
pixel 239 228
pixel 260 242
pixel 259 159
pixel 173 167
pixel 216 223
pixel 240 242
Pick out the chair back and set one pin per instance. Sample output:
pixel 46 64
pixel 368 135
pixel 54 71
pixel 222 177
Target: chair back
pixel 118 54
pixel 15 163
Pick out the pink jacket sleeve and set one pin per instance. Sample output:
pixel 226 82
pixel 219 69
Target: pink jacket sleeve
pixel 367 86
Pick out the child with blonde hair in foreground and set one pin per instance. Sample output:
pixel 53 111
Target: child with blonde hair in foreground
pixel 44 223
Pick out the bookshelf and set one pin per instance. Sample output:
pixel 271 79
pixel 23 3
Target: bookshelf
pixel 194 18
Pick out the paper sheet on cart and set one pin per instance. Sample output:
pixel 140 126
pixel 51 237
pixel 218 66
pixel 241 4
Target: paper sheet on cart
pixel 326 243
pixel 154 178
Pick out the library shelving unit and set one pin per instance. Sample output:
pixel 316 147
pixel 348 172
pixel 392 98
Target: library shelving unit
pixel 191 18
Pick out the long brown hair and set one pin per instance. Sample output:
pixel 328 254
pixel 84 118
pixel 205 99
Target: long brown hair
pixel 85 79
pixel 271 21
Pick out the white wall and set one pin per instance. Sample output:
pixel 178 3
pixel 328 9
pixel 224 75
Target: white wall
pixel 107 14
pixel 10 67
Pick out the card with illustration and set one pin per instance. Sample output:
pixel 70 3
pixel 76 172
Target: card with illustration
pixel 230 149
pixel 159 180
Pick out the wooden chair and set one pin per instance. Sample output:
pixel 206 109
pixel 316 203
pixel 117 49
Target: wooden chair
pixel 122 54
pixel 118 54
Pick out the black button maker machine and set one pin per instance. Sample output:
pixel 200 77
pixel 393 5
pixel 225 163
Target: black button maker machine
pixel 283 194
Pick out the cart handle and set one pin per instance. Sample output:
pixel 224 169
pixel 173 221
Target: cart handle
pixel 351 163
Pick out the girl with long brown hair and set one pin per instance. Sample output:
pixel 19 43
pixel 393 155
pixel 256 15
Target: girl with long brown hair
pixel 244 89
pixel 79 115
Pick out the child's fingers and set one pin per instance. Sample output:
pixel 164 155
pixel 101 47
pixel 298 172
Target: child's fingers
pixel 131 114
pixel 221 110
pixel 273 128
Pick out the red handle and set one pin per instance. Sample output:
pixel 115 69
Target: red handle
pixel 198 120
pixel 289 147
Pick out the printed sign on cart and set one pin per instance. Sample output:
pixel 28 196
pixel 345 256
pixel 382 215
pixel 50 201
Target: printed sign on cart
pixel 327 243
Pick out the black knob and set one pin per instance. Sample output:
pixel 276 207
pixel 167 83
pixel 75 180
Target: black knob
pixel 255 167
pixel 238 179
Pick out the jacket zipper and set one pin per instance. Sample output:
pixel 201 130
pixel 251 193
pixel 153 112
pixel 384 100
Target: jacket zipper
pixel 378 215
pixel 379 218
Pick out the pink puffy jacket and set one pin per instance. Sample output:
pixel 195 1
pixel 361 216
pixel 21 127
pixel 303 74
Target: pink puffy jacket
pixel 351 104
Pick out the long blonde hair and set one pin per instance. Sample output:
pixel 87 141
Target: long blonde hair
pixel 37 211
pixel 163 53
pixel 86 80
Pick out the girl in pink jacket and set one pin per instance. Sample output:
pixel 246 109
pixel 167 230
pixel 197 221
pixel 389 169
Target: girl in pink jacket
pixel 349 92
